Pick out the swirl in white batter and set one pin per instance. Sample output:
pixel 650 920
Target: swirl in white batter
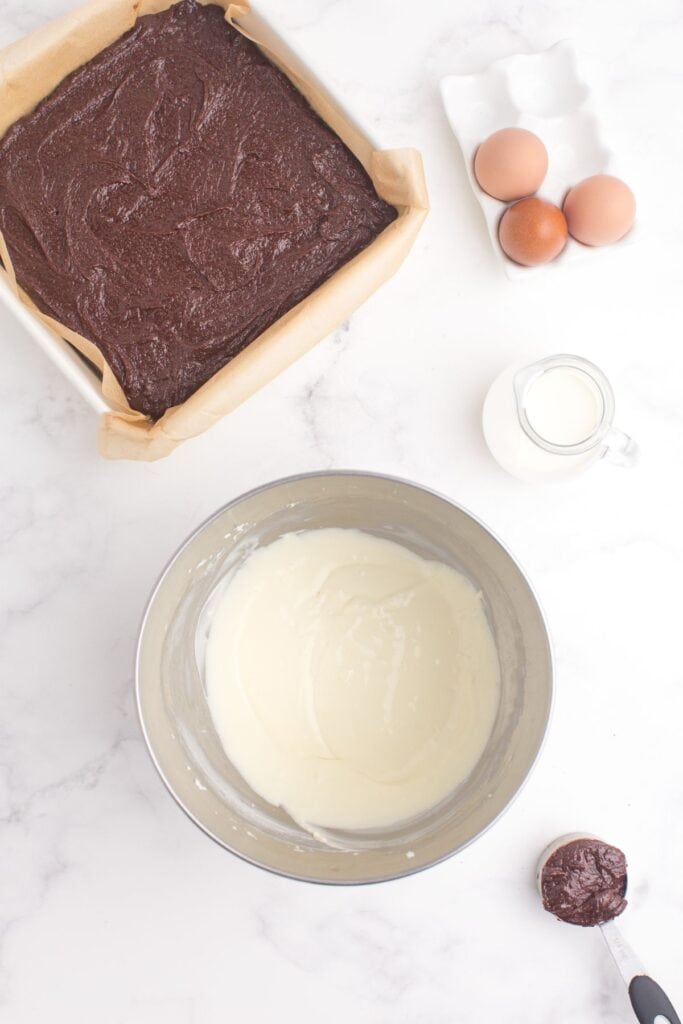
pixel 350 681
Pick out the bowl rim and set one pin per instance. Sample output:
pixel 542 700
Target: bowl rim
pixel 295 478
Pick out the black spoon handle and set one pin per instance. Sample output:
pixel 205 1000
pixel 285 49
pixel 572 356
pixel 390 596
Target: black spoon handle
pixel 650 1001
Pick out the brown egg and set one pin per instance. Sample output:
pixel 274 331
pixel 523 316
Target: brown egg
pixel 599 210
pixel 532 232
pixel 511 163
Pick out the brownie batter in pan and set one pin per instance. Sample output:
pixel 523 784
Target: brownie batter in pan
pixel 174 197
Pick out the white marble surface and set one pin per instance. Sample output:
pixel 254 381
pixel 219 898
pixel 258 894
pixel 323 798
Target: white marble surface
pixel 115 908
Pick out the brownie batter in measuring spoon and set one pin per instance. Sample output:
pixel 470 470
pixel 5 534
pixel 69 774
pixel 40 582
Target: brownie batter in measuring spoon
pixel 582 881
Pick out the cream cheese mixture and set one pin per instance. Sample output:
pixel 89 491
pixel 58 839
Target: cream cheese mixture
pixel 350 681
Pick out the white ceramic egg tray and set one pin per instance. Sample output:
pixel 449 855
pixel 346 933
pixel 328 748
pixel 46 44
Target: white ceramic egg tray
pixel 545 93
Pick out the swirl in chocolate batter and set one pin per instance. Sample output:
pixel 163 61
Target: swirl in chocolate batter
pixel 174 197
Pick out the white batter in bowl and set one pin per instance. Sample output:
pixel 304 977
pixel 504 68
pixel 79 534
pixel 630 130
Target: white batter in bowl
pixel 351 682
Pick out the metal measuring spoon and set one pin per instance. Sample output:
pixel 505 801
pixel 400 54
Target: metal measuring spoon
pixel 582 881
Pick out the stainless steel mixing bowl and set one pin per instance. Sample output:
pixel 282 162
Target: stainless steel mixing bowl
pixel 175 715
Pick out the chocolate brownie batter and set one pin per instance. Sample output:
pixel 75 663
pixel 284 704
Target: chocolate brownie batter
pixel 174 197
pixel 584 882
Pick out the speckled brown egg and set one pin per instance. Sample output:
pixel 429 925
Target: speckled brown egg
pixel 532 232
pixel 511 163
pixel 599 210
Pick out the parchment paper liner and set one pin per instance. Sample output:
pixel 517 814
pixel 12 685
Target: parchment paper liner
pixel 32 67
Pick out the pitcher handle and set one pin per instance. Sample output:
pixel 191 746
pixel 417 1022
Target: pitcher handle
pixel 620 449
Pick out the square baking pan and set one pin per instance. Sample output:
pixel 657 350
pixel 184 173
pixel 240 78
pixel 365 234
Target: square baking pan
pixel 83 375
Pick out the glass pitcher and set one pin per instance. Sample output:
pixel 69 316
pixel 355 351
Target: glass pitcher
pixel 553 419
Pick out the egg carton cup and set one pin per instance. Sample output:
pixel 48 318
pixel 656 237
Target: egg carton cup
pixel 545 93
